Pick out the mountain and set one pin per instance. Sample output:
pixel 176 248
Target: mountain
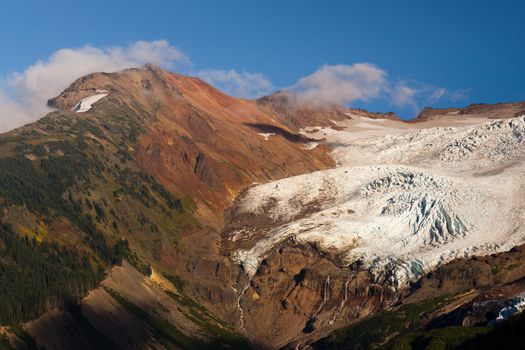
pixel 150 210
pixel 138 166
pixel 196 140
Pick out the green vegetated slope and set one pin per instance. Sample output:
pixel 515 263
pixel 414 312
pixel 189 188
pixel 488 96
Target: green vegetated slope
pixel 508 334
pixel 64 197
pixel 73 203
pixel 378 330
pixel 35 276
pixel 400 329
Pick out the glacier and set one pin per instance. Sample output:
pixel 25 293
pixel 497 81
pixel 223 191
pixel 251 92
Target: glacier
pixel 401 201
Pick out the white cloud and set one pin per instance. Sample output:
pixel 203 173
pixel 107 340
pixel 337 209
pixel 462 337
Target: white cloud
pixel 416 95
pixel 403 95
pixel 341 84
pixel 12 114
pixel 244 84
pixel 23 95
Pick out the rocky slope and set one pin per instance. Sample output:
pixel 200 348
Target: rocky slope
pixel 464 304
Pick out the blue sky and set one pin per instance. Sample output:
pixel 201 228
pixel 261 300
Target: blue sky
pixel 473 50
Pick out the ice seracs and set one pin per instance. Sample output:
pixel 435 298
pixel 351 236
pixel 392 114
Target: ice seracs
pixel 402 203
pixel 85 104
pixel 464 148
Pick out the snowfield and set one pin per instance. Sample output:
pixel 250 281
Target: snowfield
pixel 85 104
pixel 400 202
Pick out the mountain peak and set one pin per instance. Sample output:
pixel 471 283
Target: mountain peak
pixel 147 87
pixel 132 82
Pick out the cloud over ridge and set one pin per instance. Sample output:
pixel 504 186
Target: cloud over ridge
pixel 343 84
pixel 23 95
pixel 340 84
pixel 416 95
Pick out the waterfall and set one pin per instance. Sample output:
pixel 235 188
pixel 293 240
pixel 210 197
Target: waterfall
pixel 345 293
pixel 326 296
pixel 343 302
pixel 345 298
pixel 239 307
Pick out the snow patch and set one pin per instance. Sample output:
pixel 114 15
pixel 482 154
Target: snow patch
pixel 266 135
pixel 311 145
pixel 85 104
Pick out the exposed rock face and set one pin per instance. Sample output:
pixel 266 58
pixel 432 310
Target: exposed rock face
pixel 297 294
pixel 476 292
